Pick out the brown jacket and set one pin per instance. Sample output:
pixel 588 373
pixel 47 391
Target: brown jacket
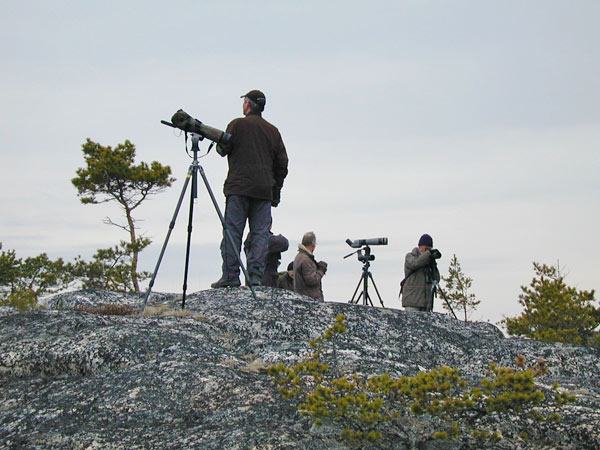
pixel 418 273
pixel 256 156
pixel 307 275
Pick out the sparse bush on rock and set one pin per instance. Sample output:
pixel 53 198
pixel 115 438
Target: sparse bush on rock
pixel 25 280
pixel 366 409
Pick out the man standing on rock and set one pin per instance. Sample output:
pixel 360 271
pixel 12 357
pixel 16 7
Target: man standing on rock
pixel 307 271
pixel 257 167
pixel 420 270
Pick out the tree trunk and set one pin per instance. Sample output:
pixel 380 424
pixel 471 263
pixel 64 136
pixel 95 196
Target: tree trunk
pixel 135 251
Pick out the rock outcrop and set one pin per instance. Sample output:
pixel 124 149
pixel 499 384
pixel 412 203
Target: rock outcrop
pixel 72 379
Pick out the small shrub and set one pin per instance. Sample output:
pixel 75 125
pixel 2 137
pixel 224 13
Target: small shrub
pixel 25 300
pixel 365 409
pixel 26 280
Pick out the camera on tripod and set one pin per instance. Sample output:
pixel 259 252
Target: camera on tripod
pixel 366 242
pixel 363 245
pixel 198 131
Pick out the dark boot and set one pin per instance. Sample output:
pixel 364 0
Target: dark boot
pixel 254 280
pixel 226 282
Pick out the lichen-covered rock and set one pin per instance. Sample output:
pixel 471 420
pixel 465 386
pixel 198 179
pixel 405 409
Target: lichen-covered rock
pixel 196 379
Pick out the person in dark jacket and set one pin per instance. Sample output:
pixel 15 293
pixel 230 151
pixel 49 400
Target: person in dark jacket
pixel 258 163
pixel 285 279
pixel 278 244
pixel 307 271
pixel 419 272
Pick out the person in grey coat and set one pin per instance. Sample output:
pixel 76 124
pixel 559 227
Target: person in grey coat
pixel 420 270
pixel 307 271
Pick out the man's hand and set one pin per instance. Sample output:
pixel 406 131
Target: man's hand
pixel 276 196
pixel 322 266
pixel 223 149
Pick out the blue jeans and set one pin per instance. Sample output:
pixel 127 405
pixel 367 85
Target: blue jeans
pixel 238 209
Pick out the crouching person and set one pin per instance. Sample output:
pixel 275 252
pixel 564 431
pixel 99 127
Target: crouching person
pixel 285 279
pixel 307 271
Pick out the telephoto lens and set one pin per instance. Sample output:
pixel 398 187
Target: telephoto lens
pixel 185 122
pixel 373 241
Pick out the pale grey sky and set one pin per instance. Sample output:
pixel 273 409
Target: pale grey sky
pixel 477 122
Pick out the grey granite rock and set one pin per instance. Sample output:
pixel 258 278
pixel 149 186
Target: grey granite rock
pixel 70 379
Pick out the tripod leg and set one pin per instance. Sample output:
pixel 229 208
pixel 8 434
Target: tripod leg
pixel 361 295
pixel 171 226
pixel 447 302
pixel 355 291
pixel 225 230
pixel 376 290
pixel 365 292
pixel 429 306
pixel 368 300
pixel 194 194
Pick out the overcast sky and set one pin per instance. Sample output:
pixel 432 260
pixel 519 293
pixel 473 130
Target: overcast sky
pixel 477 122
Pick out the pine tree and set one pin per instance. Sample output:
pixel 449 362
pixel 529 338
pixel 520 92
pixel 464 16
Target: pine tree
pixel 110 175
pixel 457 287
pixel 555 312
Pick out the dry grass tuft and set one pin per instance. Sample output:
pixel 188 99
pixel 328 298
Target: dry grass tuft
pixel 256 366
pixel 108 310
pixel 165 311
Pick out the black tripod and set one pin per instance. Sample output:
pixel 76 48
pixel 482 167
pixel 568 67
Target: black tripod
pixel 192 173
pixel 435 288
pixel 364 278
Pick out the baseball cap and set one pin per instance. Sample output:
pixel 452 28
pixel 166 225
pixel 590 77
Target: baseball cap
pixel 257 97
